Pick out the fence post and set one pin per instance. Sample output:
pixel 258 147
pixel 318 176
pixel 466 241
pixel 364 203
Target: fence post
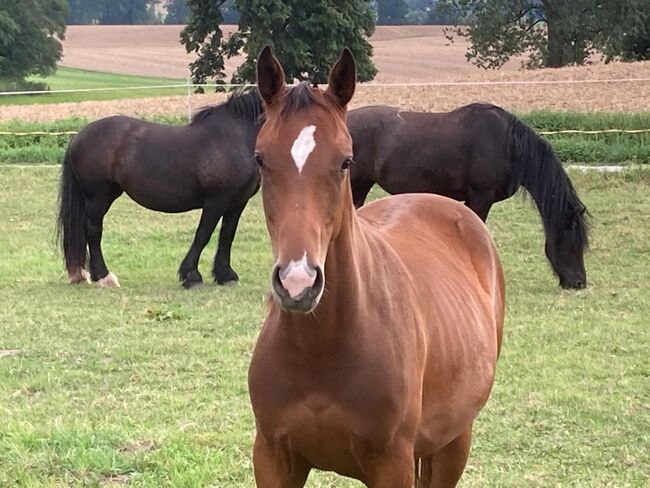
pixel 189 100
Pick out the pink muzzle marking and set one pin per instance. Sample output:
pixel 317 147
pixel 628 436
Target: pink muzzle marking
pixel 296 277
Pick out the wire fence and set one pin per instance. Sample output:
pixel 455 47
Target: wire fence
pixel 191 85
pixel 544 132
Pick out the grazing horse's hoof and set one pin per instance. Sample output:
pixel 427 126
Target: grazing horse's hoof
pixel 227 277
pixel 109 281
pixel 192 278
pixel 81 276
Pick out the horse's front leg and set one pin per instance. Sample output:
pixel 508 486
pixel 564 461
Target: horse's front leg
pixel 222 272
pixel 188 272
pixel 276 466
pixel 393 468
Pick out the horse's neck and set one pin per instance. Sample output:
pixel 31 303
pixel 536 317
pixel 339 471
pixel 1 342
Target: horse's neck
pixel 333 320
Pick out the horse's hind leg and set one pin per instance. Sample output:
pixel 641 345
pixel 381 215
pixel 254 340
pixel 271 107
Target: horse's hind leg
pixel 447 465
pixel 96 208
pixel 222 272
pixel 188 272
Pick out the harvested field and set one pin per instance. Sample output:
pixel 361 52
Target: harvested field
pixel 587 97
pixel 402 53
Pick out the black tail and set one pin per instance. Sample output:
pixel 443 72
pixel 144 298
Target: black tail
pixel 71 224
pixel 538 170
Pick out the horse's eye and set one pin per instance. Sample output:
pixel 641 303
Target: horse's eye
pixel 346 164
pixel 259 161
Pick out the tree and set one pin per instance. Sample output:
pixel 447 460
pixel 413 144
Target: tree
pixel 113 12
pixel 391 12
pixel 177 12
pixel 81 12
pixel 118 12
pixel 628 34
pixel 307 36
pixel 203 36
pixel 552 32
pixel 29 37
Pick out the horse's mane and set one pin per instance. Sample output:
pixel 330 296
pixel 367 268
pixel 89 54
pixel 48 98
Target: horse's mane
pixel 538 169
pixel 300 97
pixel 246 104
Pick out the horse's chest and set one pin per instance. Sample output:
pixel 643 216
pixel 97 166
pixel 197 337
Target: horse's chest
pixel 330 433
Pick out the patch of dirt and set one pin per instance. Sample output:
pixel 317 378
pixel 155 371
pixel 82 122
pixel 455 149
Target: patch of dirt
pixel 115 480
pixel 137 447
pixel 5 353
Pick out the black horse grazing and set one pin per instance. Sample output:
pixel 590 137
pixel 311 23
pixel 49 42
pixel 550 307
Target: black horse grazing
pixel 480 154
pixel 207 164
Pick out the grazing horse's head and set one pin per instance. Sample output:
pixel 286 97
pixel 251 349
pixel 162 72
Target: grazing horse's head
pixel 565 246
pixel 304 151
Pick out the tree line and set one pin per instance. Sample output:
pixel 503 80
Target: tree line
pixel 308 35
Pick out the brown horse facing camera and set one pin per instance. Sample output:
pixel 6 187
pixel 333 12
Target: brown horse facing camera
pixel 382 337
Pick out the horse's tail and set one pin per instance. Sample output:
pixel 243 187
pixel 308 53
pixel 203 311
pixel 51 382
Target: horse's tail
pixel 71 223
pixel 536 167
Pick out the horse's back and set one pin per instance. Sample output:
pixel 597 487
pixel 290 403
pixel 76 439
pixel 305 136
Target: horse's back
pixel 438 152
pixel 428 223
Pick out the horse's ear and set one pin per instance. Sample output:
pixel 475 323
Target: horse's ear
pixel 343 79
pixel 270 76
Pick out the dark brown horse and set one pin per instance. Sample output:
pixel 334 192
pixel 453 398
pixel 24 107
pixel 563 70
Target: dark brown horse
pixel 480 154
pixel 380 344
pixel 207 164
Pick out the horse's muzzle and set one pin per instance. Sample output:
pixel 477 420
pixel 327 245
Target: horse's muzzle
pixel 297 287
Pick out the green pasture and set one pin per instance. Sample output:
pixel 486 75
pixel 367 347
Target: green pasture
pixel 145 385
pixel 77 79
pixel 616 148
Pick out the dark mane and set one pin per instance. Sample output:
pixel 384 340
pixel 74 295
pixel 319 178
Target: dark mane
pixel 542 174
pixel 247 105
pixel 300 97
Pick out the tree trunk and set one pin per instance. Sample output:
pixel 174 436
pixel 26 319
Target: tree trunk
pixel 554 43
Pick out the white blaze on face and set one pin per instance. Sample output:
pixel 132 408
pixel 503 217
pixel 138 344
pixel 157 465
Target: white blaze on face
pixel 297 276
pixel 303 146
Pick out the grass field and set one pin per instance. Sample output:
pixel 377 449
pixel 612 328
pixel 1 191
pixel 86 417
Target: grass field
pixel 613 148
pixel 79 79
pixel 146 385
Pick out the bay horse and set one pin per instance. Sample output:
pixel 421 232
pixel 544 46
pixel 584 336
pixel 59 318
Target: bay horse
pixel 480 154
pixel 207 164
pixel 382 335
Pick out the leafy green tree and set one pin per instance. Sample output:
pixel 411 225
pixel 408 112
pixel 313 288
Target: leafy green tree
pixel 306 35
pixel 391 12
pixel 177 12
pixel 627 30
pixel 29 37
pixel 203 36
pixel 552 32
pixel 118 12
pixel 81 12
pixel 113 12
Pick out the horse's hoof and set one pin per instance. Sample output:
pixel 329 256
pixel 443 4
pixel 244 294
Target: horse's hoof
pixel 109 281
pixel 226 278
pixel 229 283
pixel 81 276
pixel 192 279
